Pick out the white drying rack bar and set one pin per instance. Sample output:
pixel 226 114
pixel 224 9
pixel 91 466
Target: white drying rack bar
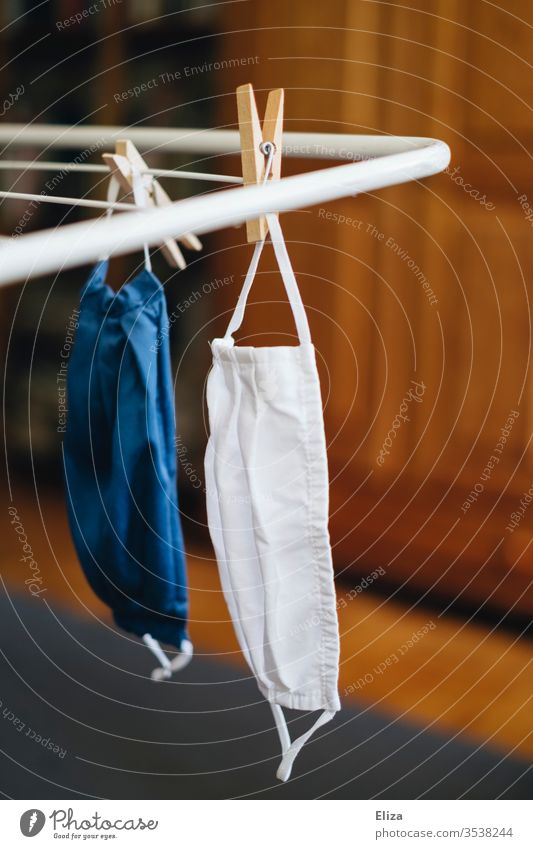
pixel 72 167
pixel 98 137
pixel 375 163
pixel 65 201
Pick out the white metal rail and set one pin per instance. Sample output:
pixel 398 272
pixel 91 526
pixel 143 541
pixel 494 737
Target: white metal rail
pixel 375 162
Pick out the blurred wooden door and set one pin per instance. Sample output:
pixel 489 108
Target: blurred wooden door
pixel 418 295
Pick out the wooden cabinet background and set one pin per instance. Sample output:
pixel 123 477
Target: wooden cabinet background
pixel 457 71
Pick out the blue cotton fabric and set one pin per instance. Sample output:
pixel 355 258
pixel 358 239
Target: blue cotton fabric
pixel 120 457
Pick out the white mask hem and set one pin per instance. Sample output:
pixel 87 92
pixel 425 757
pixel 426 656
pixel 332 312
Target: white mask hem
pixel 310 700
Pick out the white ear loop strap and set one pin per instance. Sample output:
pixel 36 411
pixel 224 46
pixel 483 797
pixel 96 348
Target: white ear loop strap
pixel 238 315
pixel 290 750
pixel 112 195
pixel 281 725
pixel 139 196
pixel 167 667
pixel 285 267
pixel 289 281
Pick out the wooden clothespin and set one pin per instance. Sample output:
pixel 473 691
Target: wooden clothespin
pixel 122 164
pixel 252 140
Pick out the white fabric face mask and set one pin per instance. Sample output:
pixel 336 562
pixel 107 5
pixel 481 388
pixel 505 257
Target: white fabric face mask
pixel 267 506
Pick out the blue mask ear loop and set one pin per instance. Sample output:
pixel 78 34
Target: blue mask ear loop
pixel 112 195
pixel 139 196
pixel 168 667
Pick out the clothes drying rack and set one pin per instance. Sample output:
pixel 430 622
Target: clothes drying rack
pixel 371 162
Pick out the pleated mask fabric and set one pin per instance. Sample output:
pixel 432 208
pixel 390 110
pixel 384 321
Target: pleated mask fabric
pixel 120 458
pixel 267 503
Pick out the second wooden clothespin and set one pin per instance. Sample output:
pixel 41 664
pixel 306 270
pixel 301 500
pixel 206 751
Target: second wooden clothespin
pixel 122 164
pixel 253 140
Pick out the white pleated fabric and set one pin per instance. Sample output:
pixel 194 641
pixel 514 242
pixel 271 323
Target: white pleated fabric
pixel 267 502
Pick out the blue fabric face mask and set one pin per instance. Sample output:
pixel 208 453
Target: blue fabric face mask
pixel 120 462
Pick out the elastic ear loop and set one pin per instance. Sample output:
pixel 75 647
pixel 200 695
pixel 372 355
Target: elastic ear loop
pixel 139 196
pixel 289 281
pixel 238 315
pixel 290 750
pixel 112 195
pixel 168 667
